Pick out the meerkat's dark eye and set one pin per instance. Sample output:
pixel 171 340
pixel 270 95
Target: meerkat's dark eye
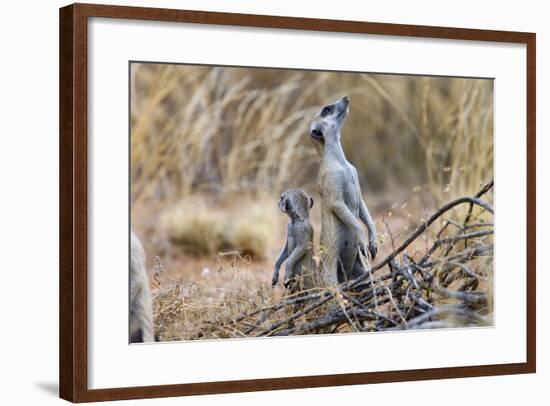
pixel 326 111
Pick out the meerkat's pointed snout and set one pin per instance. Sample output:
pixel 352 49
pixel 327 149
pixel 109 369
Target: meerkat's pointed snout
pixel 344 104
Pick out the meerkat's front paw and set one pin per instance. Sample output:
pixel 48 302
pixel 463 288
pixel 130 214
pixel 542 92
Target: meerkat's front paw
pixel 373 248
pixel 289 282
pixel 363 249
pixel 274 280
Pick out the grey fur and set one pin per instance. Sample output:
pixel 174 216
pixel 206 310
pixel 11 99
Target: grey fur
pixel 342 205
pixel 298 250
pixel 141 308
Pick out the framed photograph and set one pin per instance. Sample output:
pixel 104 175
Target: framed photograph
pixel 254 202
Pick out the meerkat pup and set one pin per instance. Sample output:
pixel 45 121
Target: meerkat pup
pixel 342 205
pixel 141 308
pixel 298 249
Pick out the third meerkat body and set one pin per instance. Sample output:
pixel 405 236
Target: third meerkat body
pixel 342 206
pixel 141 308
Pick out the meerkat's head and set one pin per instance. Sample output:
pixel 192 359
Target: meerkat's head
pixel 295 203
pixel 328 121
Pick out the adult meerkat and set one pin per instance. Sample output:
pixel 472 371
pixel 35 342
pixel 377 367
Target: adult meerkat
pixel 298 249
pixel 141 308
pixel 342 205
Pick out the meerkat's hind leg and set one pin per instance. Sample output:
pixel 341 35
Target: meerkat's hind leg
pixel 341 273
pixel 361 270
pixel 359 267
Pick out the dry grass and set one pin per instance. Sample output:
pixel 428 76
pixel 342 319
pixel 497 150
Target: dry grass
pixel 205 228
pixel 203 308
pixel 207 307
pixel 233 129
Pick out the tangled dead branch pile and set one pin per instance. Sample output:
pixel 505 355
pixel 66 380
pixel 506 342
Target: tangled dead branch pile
pixel 450 285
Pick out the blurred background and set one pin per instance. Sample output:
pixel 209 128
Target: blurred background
pixel 212 148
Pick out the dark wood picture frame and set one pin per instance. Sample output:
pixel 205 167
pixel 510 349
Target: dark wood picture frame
pixel 73 362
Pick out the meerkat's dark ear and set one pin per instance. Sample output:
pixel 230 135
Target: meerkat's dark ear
pixel 287 205
pixel 310 202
